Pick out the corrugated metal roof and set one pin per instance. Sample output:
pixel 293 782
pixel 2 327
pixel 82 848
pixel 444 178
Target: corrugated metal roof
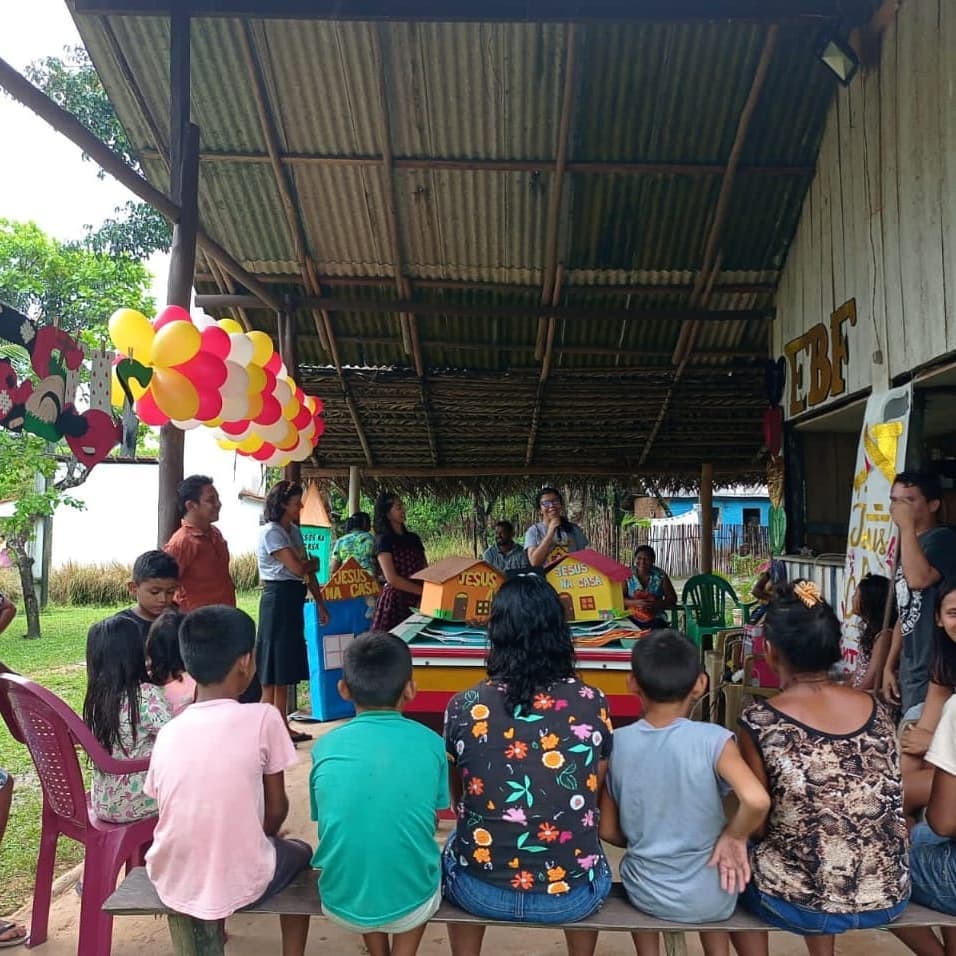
pixel 474 115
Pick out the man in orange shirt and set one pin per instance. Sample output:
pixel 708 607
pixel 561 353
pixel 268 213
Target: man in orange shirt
pixel 200 549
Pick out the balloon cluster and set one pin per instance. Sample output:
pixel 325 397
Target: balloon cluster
pixel 216 374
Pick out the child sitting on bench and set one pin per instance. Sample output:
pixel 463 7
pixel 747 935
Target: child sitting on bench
pixel 217 774
pixel 663 800
pixel 376 784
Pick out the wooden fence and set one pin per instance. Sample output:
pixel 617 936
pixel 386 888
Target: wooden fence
pixel 738 549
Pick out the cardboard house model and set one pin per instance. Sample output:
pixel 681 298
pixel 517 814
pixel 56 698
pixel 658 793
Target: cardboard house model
pixel 351 580
pixel 458 589
pixel 590 585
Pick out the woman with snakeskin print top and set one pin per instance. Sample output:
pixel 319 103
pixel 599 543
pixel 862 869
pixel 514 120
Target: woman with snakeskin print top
pixel 833 855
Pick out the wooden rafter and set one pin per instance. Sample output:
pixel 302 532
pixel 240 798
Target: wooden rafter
pixel 571 313
pixel 296 229
pixel 710 265
pixel 438 163
pixel 579 469
pixel 407 317
pixel 22 90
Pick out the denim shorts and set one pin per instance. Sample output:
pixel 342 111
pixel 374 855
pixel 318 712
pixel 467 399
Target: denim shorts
pixel 292 857
pixel 4 777
pixel 809 922
pixel 933 869
pixel 501 903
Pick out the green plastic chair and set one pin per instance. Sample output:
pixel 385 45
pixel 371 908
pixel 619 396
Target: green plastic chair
pixel 706 601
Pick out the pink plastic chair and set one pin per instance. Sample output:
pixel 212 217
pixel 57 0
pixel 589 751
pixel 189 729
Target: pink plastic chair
pixel 53 733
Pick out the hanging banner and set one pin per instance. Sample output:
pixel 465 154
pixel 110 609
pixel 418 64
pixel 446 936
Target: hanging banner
pixel 871 541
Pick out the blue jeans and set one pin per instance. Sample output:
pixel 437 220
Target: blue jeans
pixel 809 922
pixel 933 869
pixel 501 903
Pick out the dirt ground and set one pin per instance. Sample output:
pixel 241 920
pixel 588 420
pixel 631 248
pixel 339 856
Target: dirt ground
pixel 259 935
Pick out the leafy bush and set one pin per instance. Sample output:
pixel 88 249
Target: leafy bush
pixel 10 584
pixel 90 584
pixel 244 569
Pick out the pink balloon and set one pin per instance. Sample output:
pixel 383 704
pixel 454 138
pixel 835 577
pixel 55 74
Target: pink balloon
pixel 302 419
pixel 234 428
pixel 319 404
pixel 172 313
pixel 205 371
pixel 215 341
pixel 148 412
pixel 319 428
pixel 270 385
pixel 274 364
pixel 266 451
pixel 210 405
pixel 271 411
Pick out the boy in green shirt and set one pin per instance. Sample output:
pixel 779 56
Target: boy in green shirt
pixel 376 784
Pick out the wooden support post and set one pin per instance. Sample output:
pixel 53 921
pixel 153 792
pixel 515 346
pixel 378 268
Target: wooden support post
pixel 196 937
pixel 707 519
pixel 184 174
pixel 288 349
pixel 355 489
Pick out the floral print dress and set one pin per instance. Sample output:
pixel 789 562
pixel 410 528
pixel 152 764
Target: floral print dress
pixel 528 819
pixel 119 797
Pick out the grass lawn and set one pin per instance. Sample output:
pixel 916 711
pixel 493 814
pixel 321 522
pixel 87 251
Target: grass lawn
pixel 57 661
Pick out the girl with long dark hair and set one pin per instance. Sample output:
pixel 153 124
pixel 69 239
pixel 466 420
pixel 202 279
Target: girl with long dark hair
pixel 125 711
pixel 869 605
pixel 286 573
pixel 528 749
pixel 554 535
pixel 400 554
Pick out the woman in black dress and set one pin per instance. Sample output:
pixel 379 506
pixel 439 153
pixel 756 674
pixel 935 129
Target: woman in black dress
pixel 400 554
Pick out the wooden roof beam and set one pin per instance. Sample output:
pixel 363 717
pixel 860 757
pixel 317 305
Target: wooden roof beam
pixel 710 265
pixel 577 467
pixel 571 313
pixel 553 11
pixel 291 209
pixel 407 318
pixel 587 166
pixel 22 90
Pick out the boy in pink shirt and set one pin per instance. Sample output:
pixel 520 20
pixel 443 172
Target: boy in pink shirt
pixel 217 774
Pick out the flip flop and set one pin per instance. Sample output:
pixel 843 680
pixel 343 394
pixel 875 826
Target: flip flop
pixel 298 737
pixel 6 926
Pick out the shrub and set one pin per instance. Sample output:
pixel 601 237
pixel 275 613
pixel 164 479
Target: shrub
pixel 94 585
pixel 244 569
pixel 10 584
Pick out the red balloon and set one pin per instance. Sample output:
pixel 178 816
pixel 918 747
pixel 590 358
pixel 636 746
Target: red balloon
pixel 270 385
pixel 215 341
pixel 149 412
pixel 319 404
pixel 172 313
pixel 210 405
pixel 302 419
pixel 266 451
pixel 206 372
pixel 319 428
pixel 271 411
pixel 234 428
pixel 274 363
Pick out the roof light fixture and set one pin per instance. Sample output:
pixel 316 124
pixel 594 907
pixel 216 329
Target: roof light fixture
pixel 835 53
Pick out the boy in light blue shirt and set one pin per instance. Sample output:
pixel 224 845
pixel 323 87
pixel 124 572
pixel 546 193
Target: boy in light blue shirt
pixel 376 784
pixel 663 798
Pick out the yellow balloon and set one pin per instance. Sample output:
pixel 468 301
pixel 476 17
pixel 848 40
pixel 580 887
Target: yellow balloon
pixel 175 344
pixel 174 394
pixel 132 334
pixel 257 379
pixel 262 347
pixel 227 445
pixel 291 408
pixel 230 325
pixel 290 440
pixel 215 423
pixel 255 407
pixel 118 396
pixel 251 444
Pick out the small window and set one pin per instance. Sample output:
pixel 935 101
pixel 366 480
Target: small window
pixel 587 602
pixel 752 516
pixel 483 608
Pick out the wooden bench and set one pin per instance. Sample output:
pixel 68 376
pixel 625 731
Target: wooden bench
pixel 136 896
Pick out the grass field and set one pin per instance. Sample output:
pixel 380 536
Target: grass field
pixel 57 661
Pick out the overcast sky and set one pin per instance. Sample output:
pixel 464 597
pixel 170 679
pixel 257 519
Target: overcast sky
pixel 43 176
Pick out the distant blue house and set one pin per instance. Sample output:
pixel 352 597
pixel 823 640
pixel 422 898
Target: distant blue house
pixel 733 505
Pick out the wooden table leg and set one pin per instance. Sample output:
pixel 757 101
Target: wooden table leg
pixel 675 944
pixel 196 937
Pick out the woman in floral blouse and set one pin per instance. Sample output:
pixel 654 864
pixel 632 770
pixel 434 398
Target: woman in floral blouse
pixel 528 749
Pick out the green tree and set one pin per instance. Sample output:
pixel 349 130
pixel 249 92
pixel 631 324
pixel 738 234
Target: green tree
pixel 71 81
pixel 71 286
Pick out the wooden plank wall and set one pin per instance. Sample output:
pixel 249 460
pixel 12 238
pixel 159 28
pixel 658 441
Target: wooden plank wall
pixel 879 221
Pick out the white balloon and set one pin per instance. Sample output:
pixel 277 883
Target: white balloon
pixel 240 349
pixel 275 432
pixel 203 321
pixel 188 425
pixel 242 436
pixel 235 409
pixel 302 450
pixel 282 392
pixel 237 381
pixel 277 459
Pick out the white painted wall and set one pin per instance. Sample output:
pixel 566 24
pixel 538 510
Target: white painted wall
pixel 119 521
pixel 879 221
